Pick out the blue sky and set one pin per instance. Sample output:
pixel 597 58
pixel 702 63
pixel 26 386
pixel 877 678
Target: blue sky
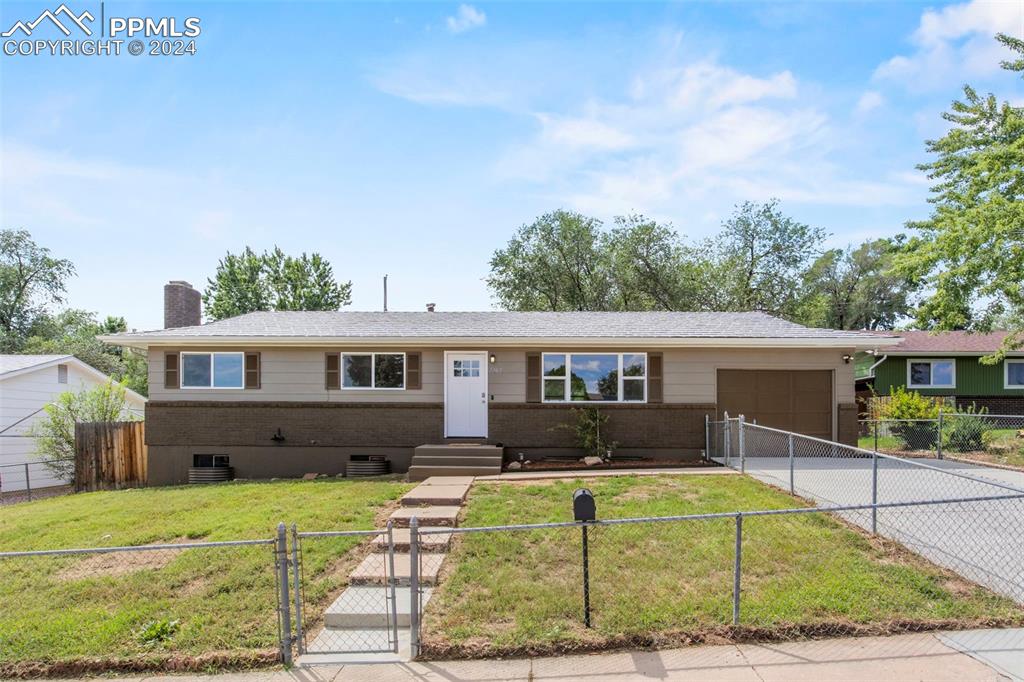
pixel 413 139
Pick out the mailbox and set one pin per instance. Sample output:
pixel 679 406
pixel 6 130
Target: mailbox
pixel 583 506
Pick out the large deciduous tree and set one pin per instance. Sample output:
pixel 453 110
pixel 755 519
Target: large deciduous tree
pixel 971 249
pixel 31 279
pixel 856 288
pixel 249 282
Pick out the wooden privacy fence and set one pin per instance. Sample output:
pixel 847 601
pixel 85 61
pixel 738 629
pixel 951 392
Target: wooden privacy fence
pixel 110 455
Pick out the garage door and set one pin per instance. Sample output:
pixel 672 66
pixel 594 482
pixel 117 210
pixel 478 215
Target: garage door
pixel 794 400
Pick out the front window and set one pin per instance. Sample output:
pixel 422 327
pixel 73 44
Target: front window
pixel 601 377
pixel 1014 374
pixel 212 370
pixel 931 373
pixel 373 370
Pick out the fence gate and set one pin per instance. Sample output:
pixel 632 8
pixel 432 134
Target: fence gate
pixel 110 455
pixel 357 597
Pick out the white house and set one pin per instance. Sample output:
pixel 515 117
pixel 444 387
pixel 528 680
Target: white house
pixel 27 384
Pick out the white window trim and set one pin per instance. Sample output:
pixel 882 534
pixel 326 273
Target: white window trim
pixel 373 371
pixel 930 361
pixel 568 375
pixel 1006 375
pixel 211 387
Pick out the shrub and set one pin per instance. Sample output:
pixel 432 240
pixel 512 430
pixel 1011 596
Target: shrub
pixel 916 429
pixel 966 432
pixel 589 437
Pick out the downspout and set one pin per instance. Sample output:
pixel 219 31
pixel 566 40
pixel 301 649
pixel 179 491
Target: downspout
pixel 871 369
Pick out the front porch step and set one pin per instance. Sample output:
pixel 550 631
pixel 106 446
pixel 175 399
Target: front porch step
pixel 460 449
pixel 426 516
pixel 450 460
pixel 428 543
pixel 368 607
pixel 419 473
pixel 373 569
pixel 442 495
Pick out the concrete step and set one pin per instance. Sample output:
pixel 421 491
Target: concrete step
pixel 427 516
pixel 418 473
pixel 456 460
pixel 448 480
pixel 456 449
pixel 372 571
pixel 368 607
pixel 428 543
pixel 442 495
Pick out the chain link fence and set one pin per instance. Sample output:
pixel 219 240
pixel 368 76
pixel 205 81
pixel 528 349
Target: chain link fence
pixel 990 439
pixel 971 524
pixel 35 479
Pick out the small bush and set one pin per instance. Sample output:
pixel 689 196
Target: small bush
pixel 966 432
pixel 157 631
pixel 916 430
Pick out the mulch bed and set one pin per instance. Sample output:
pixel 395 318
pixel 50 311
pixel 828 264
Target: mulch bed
pixel 575 465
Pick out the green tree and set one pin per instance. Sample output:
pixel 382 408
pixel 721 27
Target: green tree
pixel 559 262
pixel 762 256
pixel 55 434
pixel 970 251
pixel 857 288
pixel 31 279
pixel 249 282
pixel 74 332
pixel 651 267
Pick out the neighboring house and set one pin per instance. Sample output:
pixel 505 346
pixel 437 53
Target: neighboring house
pixel 286 393
pixel 947 364
pixel 27 384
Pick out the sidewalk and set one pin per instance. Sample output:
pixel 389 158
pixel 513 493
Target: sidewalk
pixel 994 655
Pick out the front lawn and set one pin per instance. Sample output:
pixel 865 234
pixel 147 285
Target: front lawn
pixel 155 605
pixel 671 583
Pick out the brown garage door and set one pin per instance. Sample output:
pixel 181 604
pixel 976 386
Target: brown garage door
pixel 794 400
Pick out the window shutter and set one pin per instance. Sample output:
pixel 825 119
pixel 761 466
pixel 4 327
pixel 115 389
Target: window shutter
pixel 533 377
pixel 332 371
pixel 413 371
pixel 655 385
pixel 170 370
pixel 252 370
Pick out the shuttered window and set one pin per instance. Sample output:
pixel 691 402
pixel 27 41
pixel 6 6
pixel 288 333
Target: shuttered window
pixel 533 377
pixel 413 371
pixel 655 380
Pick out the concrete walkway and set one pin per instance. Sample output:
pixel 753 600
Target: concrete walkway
pixel 925 656
pixel 599 473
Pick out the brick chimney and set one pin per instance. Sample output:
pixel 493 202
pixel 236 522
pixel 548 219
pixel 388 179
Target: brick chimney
pixel 430 307
pixel 182 305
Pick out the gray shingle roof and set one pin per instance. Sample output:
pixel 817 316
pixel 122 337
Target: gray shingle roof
pixel 495 324
pixel 13 363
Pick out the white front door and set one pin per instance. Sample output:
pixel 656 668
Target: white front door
pixel 465 398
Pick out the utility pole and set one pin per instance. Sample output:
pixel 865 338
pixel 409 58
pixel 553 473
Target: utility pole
pixel 385 293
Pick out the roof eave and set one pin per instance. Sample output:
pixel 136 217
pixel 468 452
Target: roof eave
pixel 144 341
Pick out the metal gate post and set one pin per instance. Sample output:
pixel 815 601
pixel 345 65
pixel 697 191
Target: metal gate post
pixel 727 433
pixel 297 586
pixel 792 487
pixel 874 493
pixel 736 569
pixel 392 588
pixel 938 436
pixel 28 483
pixel 284 603
pixel 414 588
pixel 707 437
pixel 743 449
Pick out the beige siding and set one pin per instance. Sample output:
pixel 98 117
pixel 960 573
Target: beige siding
pixel 690 375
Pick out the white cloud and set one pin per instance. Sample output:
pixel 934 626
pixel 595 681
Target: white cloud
pixel 955 43
pixel 869 101
pixel 582 133
pixel 466 18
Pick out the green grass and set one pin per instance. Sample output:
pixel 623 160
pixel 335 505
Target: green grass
pixel 516 592
pixel 121 606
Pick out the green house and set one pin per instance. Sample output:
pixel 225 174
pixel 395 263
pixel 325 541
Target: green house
pixel 948 364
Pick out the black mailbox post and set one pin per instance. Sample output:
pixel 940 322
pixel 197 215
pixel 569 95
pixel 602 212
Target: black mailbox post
pixel 584 509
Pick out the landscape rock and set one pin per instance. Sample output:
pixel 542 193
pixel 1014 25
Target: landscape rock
pixel 592 461
pixel 514 466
